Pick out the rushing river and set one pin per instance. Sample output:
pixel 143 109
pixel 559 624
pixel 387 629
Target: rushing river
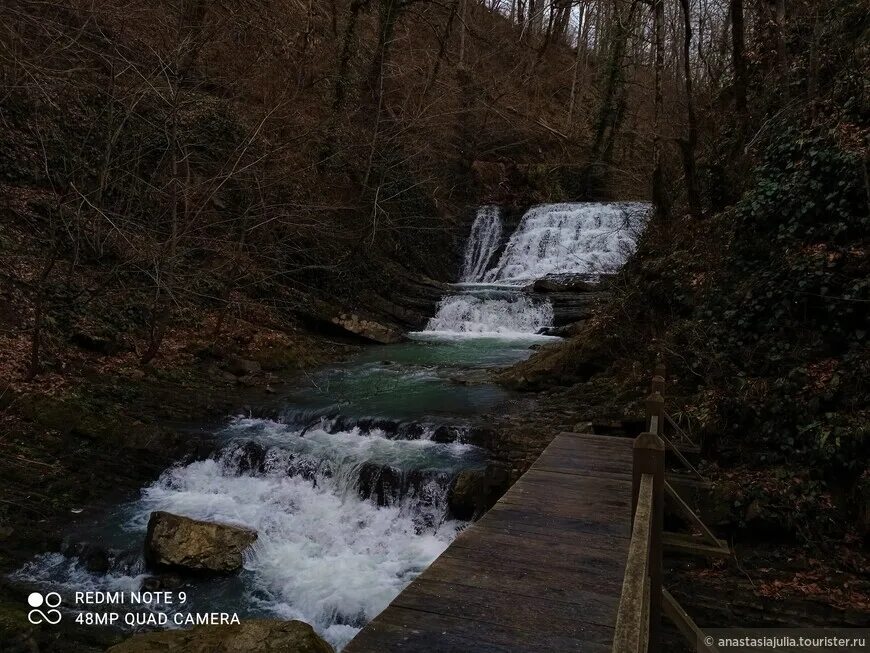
pixel 348 486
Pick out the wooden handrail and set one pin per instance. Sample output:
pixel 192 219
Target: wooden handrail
pixel 631 634
pixel 641 604
pixel 639 615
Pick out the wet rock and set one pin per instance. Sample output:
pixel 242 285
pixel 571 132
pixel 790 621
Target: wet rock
pixel 250 636
pixel 447 434
pixel 97 561
pixel 426 485
pixel 93 557
pixel 474 491
pixel 481 436
pixel 563 285
pixel 382 484
pixel 368 329
pixel 465 498
pixel 248 458
pixel 188 544
pixel 410 431
pixel 566 331
pixel 162 582
pixel 308 468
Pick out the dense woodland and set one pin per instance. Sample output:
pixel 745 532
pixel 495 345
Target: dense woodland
pixel 180 177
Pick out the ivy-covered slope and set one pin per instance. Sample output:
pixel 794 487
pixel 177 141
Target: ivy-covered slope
pixel 762 315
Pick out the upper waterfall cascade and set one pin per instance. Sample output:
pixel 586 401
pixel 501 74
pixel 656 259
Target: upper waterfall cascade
pixel 589 238
pixel 482 243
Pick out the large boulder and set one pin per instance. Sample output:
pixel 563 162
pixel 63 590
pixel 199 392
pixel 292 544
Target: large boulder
pixel 182 543
pixel 368 329
pixel 251 636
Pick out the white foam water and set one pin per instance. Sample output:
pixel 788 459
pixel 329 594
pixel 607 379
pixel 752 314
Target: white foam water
pixel 482 244
pixel 470 314
pixel 586 238
pixel 323 554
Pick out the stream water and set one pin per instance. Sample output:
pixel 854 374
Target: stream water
pixel 348 486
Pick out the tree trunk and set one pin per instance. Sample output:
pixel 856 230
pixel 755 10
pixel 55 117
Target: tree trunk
pixel 38 312
pixel 342 74
pixel 606 122
pixel 658 177
pixel 577 61
pixel 388 14
pixel 462 34
pixel 689 146
pixel 346 54
pixel 442 49
pixel 739 61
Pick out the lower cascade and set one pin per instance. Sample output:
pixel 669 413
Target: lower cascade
pixel 344 520
pixel 481 314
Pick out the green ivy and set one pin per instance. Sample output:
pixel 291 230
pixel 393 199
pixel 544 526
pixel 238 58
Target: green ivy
pixel 788 317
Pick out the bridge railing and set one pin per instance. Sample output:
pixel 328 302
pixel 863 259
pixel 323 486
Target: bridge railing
pixel 640 606
pixel 644 600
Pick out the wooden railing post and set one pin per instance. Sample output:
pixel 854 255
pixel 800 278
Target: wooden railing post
pixel 649 458
pixel 655 412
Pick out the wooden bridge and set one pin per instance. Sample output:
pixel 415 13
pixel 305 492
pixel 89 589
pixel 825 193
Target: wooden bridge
pixel 569 559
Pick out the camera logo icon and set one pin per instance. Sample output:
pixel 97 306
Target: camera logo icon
pixel 36 615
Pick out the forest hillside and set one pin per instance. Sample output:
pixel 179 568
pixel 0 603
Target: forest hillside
pixel 200 199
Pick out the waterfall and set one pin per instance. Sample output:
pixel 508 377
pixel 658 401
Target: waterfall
pixel 345 520
pixel 589 239
pixel 482 243
pixel 470 313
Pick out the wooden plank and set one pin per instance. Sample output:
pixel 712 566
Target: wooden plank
pixel 552 551
pixel 506 608
pixel 402 629
pixel 521 558
pixel 581 586
pixel 541 571
pixel 598 523
pixel 593 437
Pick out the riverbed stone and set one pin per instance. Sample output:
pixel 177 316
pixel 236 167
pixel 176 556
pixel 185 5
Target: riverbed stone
pixel 182 543
pixel 249 636
pixel 368 329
